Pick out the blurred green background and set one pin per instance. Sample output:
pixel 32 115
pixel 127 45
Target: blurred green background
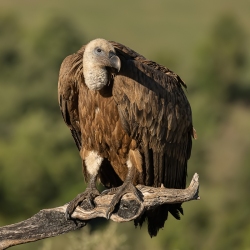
pixel 205 42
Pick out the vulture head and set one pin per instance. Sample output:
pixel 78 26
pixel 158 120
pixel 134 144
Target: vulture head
pixel 99 56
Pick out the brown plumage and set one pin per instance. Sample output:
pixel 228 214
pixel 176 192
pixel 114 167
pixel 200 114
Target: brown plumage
pixel 131 122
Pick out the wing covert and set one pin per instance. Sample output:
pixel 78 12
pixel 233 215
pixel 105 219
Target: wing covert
pixel 156 113
pixel 68 96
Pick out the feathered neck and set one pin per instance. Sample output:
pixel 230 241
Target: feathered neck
pixel 95 77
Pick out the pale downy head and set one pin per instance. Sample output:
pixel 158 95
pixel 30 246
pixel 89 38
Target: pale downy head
pixel 99 55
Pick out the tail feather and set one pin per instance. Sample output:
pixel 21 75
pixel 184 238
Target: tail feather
pixel 156 217
pixel 175 210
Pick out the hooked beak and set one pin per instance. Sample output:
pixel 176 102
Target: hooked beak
pixel 115 61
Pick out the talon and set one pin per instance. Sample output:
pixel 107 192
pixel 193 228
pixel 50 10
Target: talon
pixel 109 191
pixel 108 214
pixel 105 192
pixel 89 194
pixel 67 215
pixel 119 192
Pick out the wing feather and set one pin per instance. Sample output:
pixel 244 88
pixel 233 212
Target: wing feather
pixel 68 95
pixel 155 111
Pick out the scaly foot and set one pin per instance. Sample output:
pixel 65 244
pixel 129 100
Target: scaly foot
pixel 89 195
pixel 126 187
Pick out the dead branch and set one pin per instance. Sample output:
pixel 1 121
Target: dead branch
pixel 51 222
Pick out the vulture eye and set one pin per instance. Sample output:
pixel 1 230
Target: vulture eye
pixel 99 50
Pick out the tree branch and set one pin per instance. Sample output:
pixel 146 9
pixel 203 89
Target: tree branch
pixel 51 222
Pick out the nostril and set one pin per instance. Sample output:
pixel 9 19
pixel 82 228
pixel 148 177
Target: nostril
pixel 111 53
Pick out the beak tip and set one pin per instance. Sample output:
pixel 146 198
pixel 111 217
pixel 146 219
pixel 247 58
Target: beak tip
pixel 115 62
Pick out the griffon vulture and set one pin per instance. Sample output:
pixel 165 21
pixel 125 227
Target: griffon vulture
pixel 131 122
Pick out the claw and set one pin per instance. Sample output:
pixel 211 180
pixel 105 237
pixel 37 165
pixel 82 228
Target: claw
pixel 109 191
pixel 89 195
pixel 119 192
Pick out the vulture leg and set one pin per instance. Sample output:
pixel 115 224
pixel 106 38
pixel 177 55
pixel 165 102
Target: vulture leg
pixel 126 187
pixel 92 162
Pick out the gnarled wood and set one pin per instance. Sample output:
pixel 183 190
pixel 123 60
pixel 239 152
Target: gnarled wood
pixel 51 222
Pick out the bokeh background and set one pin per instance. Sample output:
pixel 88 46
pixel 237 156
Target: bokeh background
pixel 205 42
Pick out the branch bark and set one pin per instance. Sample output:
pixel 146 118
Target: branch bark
pixel 51 222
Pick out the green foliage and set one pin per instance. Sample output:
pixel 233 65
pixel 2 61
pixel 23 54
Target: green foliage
pixel 223 60
pixel 219 79
pixel 90 240
pixel 57 39
pixel 10 33
pixel 36 147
